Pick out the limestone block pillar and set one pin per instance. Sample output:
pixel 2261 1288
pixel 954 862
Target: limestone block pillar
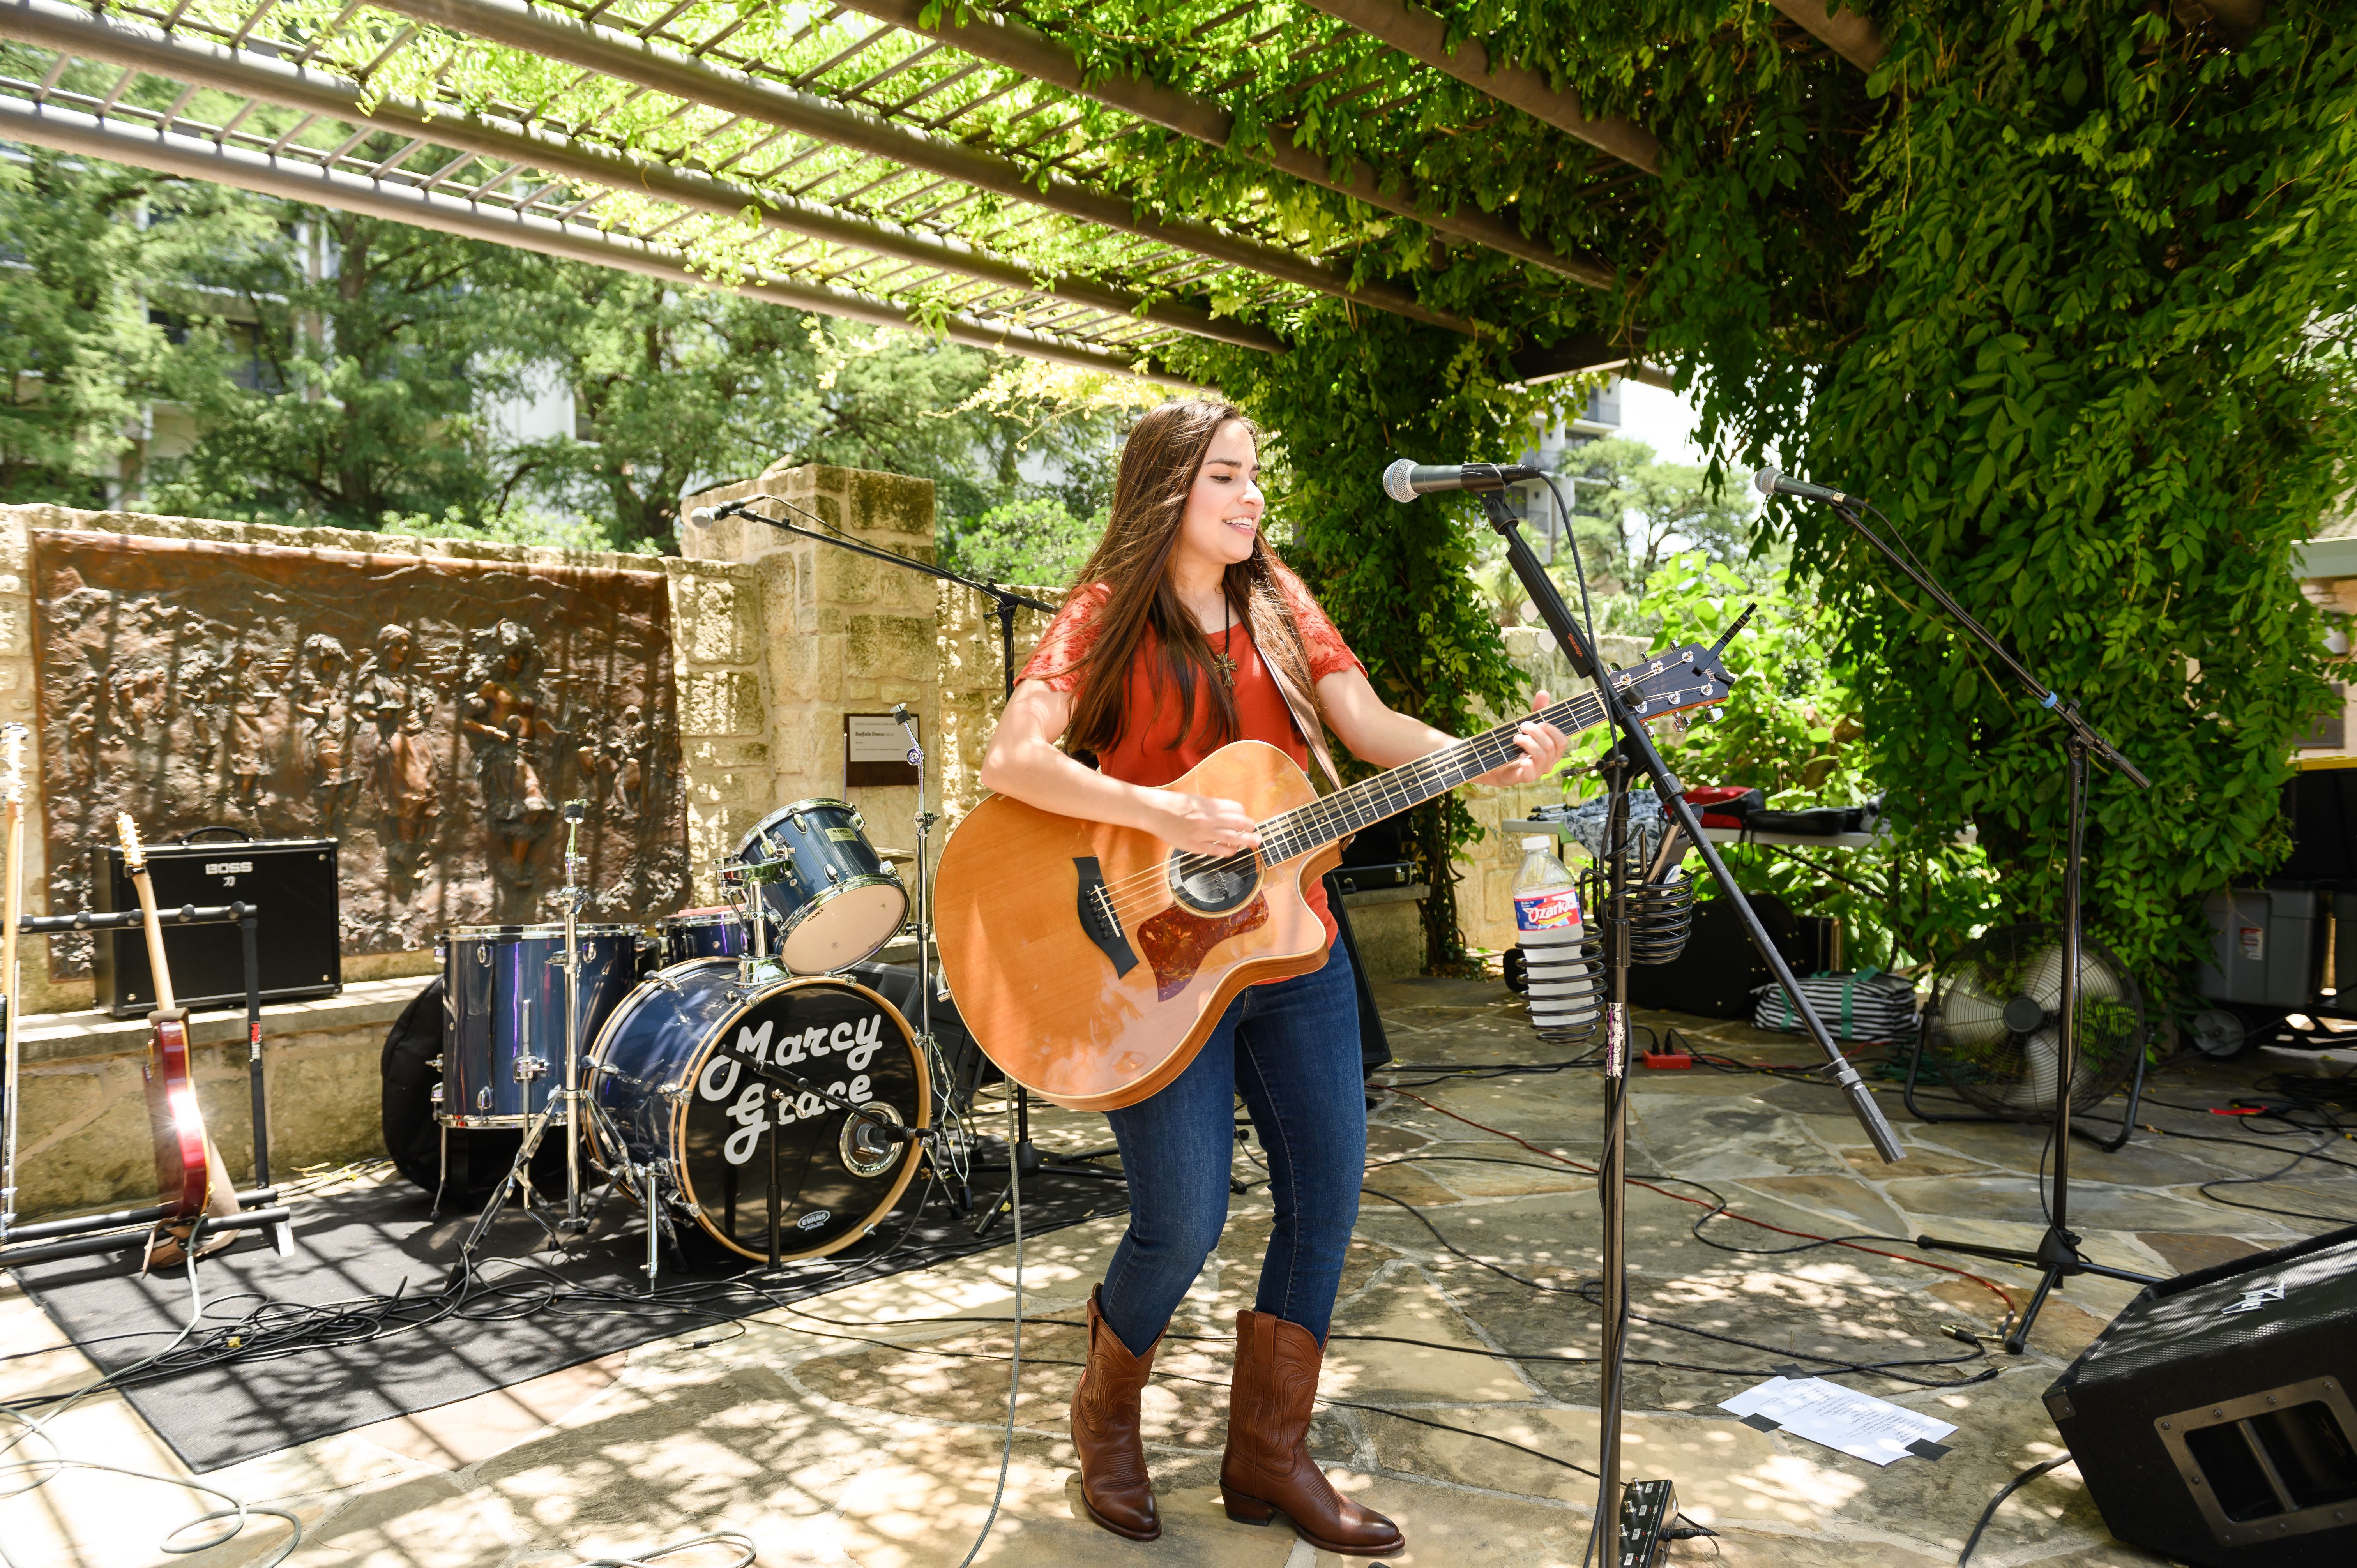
pixel 840 633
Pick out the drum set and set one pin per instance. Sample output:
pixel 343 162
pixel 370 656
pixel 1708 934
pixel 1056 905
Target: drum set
pixel 718 1064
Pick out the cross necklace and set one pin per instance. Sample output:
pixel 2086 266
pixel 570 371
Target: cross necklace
pixel 1221 660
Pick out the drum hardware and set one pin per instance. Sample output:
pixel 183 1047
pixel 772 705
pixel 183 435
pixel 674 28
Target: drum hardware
pixel 568 1093
pixel 952 1114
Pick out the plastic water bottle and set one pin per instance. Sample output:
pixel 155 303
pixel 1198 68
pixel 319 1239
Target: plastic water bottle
pixel 1549 929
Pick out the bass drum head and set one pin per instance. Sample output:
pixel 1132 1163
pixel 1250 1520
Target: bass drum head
pixel 834 1184
pixel 846 926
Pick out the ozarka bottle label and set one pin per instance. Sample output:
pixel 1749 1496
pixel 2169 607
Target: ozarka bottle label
pixel 1546 909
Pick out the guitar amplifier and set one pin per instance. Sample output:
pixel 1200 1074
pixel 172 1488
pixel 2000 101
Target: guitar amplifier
pixel 290 882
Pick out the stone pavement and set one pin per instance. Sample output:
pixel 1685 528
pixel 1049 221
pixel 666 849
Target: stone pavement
pixel 862 1429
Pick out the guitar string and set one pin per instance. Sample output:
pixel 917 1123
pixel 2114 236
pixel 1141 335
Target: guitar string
pixel 1392 790
pixel 1385 795
pixel 1368 802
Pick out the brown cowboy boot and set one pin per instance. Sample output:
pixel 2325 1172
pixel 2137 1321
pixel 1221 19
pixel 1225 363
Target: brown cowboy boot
pixel 1114 1487
pixel 1268 1468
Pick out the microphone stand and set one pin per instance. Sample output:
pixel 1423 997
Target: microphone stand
pixel 2057 1256
pixel 1633 751
pixel 1024 1155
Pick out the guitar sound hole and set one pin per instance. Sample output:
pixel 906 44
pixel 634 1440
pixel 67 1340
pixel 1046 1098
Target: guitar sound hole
pixel 1213 885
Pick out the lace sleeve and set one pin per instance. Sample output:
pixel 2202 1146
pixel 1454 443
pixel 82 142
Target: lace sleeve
pixel 1067 641
pixel 1328 653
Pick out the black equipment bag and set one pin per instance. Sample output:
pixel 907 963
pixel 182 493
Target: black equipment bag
pixel 2213 1420
pixel 410 1066
pixel 1719 970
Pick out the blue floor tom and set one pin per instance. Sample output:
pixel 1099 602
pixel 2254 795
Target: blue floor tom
pixel 503 1011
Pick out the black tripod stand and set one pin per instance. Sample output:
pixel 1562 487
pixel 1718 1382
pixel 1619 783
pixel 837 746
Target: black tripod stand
pixel 2057 1256
pixel 1647 1505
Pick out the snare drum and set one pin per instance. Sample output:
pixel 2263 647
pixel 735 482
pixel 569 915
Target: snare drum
pixel 834 901
pixel 503 1003
pixel 718 931
pixel 668 1091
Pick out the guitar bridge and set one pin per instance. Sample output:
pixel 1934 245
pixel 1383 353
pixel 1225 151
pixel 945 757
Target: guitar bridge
pixel 1098 917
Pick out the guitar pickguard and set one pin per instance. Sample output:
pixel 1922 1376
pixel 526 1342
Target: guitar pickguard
pixel 1176 941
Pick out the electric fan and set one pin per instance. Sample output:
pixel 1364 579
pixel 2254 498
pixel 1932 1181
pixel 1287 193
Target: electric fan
pixel 1994 1026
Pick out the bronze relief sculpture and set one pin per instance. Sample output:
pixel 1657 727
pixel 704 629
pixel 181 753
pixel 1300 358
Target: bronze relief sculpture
pixel 430 714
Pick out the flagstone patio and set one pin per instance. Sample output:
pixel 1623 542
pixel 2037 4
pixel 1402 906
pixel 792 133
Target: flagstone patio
pixel 859 1428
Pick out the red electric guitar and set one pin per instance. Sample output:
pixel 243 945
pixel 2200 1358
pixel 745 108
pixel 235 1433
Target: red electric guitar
pixel 1091 962
pixel 183 1172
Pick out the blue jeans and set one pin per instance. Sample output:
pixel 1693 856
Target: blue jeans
pixel 1291 1050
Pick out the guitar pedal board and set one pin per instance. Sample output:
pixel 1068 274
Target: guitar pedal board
pixel 1646 1509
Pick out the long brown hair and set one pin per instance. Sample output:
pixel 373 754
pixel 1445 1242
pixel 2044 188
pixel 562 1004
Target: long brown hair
pixel 1159 464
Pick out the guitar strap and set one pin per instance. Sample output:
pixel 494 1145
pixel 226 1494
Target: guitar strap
pixel 1303 709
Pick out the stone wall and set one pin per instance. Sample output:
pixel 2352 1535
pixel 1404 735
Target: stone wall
pixel 715 610
pixel 839 633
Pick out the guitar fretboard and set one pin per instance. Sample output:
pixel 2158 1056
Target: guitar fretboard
pixel 1306 828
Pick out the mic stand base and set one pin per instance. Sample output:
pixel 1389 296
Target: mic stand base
pixel 2056 1257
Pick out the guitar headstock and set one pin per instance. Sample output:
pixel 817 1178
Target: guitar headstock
pixel 12 752
pixel 134 859
pixel 1687 676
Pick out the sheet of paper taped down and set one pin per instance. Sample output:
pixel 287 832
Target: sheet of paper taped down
pixel 1842 1419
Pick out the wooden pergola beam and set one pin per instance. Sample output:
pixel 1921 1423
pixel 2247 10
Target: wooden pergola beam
pixel 1420 35
pixel 667 71
pixel 1851 34
pixel 200 159
pixel 1042 58
pixel 67 30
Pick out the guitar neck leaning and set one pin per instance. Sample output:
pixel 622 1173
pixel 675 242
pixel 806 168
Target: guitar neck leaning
pixel 164 1002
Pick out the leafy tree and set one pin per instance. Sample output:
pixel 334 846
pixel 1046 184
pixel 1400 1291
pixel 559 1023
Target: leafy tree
pixel 377 347
pixel 1033 541
pixel 1791 727
pixel 90 255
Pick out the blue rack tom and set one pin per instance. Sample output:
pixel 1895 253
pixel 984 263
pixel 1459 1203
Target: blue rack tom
pixel 835 900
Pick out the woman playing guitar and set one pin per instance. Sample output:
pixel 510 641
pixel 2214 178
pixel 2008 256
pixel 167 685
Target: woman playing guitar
pixel 1185 634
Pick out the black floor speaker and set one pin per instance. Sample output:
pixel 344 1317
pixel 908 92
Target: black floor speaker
pixel 2212 1421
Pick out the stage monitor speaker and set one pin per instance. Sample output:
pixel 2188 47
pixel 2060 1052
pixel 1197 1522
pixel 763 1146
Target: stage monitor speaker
pixel 290 882
pixel 2212 1421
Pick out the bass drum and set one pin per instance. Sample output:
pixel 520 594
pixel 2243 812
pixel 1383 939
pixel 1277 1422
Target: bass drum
pixel 666 1083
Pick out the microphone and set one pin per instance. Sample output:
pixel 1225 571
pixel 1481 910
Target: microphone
pixel 1403 481
pixel 704 516
pixel 1771 481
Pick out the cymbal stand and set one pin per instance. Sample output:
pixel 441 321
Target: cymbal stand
pixel 948 1111
pixel 572 1091
pixel 567 1095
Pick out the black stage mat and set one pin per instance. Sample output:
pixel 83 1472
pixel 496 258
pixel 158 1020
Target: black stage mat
pixel 376 1241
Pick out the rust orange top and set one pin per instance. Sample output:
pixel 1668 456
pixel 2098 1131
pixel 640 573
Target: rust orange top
pixel 1151 752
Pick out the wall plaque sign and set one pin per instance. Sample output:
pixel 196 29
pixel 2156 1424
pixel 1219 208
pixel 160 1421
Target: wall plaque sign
pixel 431 713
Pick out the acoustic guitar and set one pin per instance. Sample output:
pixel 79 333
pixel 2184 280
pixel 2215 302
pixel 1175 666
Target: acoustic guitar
pixel 1091 962
pixel 183 1172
